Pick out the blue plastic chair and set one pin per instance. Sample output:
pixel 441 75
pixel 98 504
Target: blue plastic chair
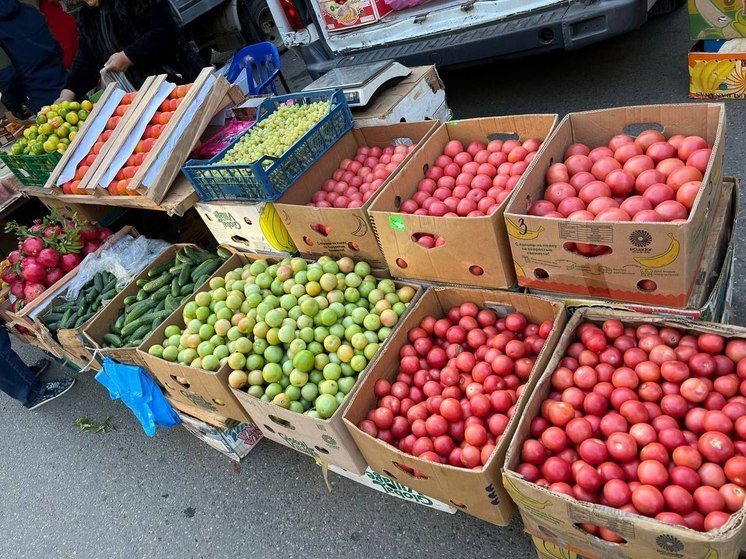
pixel 262 64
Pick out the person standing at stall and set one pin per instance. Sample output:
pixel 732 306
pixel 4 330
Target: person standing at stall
pixel 140 38
pixel 31 70
pixel 22 382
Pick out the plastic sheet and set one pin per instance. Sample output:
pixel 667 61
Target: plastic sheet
pixel 124 259
pixel 221 139
pixel 138 392
pixel 399 5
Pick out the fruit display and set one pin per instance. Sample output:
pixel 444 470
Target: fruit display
pixel 75 312
pixel 647 178
pixel 119 186
pixel 457 385
pixel 72 186
pixel 644 419
pixel 357 179
pixel 54 128
pixel 471 181
pixel 294 333
pixel 274 135
pixel 48 250
pixel 160 294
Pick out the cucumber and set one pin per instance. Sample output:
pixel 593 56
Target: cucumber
pixel 156 284
pixel 106 296
pixel 135 342
pixel 175 287
pixel 202 279
pixel 141 282
pixel 186 271
pixel 119 322
pixel 138 310
pixel 83 319
pixel 160 268
pixel 160 295
pixel 98 282
pixel 52 327
pixel 112 340
pixel 196 255
pixel 55 315
pixel 109 285
pixel 171 303
pixel 65 318
pixel 129 300
pixel 187 289
pixel 182 257
pixel 141 295
pixel 207 267
pixel 151 316
pixel 134 325
pixel 224 253
pixel 176 269
pixel 142 331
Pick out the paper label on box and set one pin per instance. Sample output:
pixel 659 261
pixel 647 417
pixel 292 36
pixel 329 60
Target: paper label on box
pixel 384 484
pixel 397 223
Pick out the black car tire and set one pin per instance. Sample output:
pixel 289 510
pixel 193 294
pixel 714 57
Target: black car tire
pixel 257 24
pixel 663 7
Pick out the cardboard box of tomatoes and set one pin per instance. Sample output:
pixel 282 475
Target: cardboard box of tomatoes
pixel 713 289
pixel 349 168
pixel 424 432
pixel 638 234
pixel 441 218
pixel 641 456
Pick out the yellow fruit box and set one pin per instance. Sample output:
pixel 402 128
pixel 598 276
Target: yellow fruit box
pixel 717 75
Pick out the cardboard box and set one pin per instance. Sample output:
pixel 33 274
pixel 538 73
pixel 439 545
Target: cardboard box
pixel 340 15
pixel 476 250
pixel 234 441
pixel 93 332
pixel 389 486
pixel 343 231
pixel 650 263
pixel 714 283
pixel 716 75
pixel 555 517
pixel 327 440
pixel 476 492
pixel 419 96
pixel 717 19
pixel 252 226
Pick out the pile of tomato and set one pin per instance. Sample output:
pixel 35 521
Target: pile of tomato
pixel 648 420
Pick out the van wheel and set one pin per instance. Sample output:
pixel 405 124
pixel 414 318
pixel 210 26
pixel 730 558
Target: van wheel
pixel 257 23
pixel 663 7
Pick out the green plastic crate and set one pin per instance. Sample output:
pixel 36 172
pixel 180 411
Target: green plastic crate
pixel 31 170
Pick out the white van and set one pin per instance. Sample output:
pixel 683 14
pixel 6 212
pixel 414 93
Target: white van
pixel 450 32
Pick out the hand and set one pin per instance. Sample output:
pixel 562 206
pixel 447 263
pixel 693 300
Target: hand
pixel 118 62
pixel 65 95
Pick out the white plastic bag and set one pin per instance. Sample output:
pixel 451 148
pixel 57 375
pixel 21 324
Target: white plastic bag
pixel 124 259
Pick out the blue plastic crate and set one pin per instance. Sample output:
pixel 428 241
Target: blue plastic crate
pixel 252 181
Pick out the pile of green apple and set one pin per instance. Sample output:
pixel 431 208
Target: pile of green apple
pixel 294 333
pixel 275 134
pixel 54 129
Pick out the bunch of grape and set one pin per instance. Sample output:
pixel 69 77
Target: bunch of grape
pixel 274 135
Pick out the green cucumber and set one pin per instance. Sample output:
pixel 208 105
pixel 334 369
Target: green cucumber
pixel 224 253
pixel 160 268
pixel 98 282
pixel 138 310
pixel 156 284
pixel 141 282
pixel 65 318
pixel 187 289
pixel 186 271
pixel 160 295
pixel 142 295
pixel 207 267
pixel 129 300
pixel 175 287
pixel 112 340
pixel 119 322
pixel 142 331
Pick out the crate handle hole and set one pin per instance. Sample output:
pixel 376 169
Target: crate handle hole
pixel 239 239
pixel 428 240
pixel 218 402
pixel 456 504
pixel 321 449
pixel 353 246
pixel 503 136
pixel 608 537
pixel 321 229
pixel 247 221
pixel 476 270
pixel 411 472
pixel 397 202
pixel 647 285
pixel 283 422
pixel 181 380
pixel 401 263
pixel 541 273
pixel 268 428
pixel 308 240
pixel 389 474
pixel 587 250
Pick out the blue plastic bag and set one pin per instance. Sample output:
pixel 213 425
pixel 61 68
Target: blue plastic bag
pixel 139 393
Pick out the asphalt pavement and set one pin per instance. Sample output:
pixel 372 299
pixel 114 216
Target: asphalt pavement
pixel 66 493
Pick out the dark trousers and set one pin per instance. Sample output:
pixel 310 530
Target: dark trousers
pixel 16 379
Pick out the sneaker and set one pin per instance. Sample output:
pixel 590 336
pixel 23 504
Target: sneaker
pixel 40 366
pixel 50 391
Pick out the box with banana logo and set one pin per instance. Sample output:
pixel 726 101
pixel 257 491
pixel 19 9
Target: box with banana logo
pixel 340 232
pixel 471 251
pixel 718 75
pixel 554 519
pixel 713 288
pixel 653 263
pixel 717 19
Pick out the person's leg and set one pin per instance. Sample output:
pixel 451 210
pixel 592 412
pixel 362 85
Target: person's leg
pixel 16 379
